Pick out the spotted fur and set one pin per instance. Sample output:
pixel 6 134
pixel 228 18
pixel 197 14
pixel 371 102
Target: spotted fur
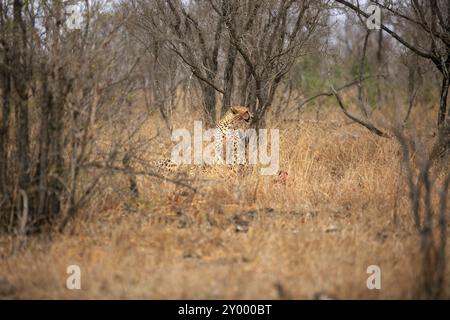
pixel 237 117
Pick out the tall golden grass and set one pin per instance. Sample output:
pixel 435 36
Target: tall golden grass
pixel 343 208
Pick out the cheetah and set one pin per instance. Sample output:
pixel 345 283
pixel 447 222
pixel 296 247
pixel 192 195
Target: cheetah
pixel 237 117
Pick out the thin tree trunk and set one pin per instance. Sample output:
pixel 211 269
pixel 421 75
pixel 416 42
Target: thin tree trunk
pixel 21 108
pixel 4 129
pixel 361 104
pixel 42 167
pixel 209 100
pixel 443 101
pixel 228 78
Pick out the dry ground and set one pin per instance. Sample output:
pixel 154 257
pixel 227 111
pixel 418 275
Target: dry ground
pixel 344 207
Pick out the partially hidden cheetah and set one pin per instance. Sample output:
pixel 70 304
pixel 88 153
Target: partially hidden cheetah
pixel 237 117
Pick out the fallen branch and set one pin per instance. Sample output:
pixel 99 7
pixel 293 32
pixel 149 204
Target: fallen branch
pixel 365 124
pixel 330 93
pixel 138 173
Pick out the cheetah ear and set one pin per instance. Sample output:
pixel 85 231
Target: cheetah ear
pixel 234 110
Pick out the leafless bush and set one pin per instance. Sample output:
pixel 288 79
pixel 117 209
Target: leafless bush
pixel 423 28
pixel 240 50
pixel 60 88
pixel 191 33
pixel 269 44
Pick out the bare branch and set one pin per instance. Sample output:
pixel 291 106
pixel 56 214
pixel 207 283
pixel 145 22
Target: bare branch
pixel 365 124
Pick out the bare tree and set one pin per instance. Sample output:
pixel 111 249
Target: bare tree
pixel 244 46
pixel 432 20
pixel 193 33
pixel 269 36
pixel 54 82
pixel 162 76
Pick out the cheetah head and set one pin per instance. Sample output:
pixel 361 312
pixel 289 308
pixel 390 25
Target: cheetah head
pixel 242 114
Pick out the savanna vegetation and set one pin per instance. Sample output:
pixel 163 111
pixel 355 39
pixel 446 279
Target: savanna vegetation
pixel 89 98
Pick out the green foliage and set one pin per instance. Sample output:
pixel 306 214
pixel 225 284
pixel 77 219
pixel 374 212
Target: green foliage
pixel 307 77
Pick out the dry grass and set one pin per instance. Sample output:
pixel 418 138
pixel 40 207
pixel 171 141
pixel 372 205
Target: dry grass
pixel 344 207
